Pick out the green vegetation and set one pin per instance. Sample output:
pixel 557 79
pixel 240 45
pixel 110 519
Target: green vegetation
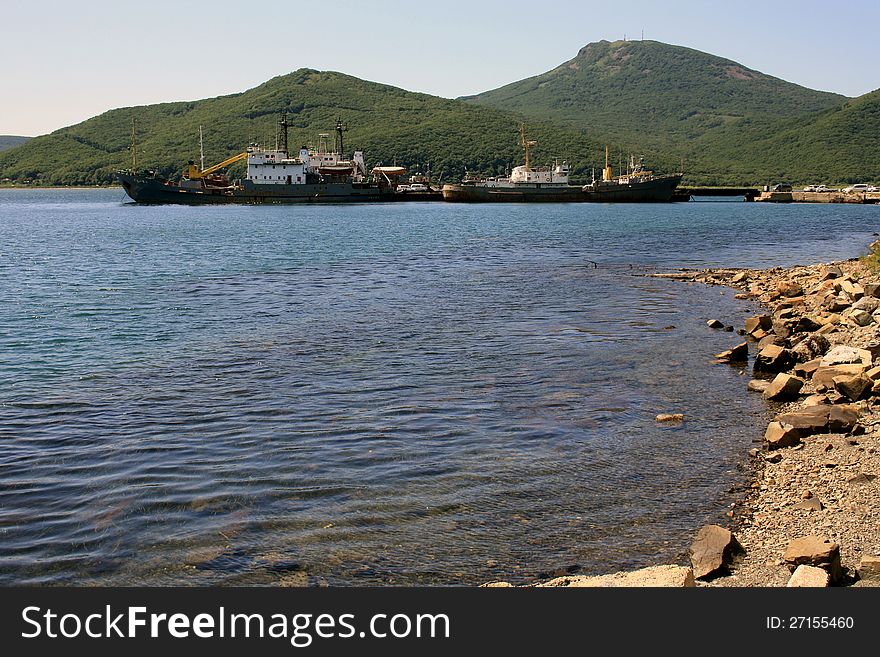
pixel 392 125
pixel 653 95
pixel 872 260
pixel 8 141
pixel 727 124
pixel 723 124
pixel 840 145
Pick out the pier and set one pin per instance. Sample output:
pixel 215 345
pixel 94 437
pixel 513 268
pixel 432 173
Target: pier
pixel 834 196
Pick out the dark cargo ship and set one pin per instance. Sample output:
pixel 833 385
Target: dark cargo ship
pixel 550 184
pixel 318 175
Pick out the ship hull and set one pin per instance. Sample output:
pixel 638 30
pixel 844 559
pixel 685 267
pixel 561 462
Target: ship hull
pixel 659 189
pixel 150 190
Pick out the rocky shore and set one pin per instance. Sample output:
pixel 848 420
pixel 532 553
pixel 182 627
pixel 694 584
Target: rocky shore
pixel 812 517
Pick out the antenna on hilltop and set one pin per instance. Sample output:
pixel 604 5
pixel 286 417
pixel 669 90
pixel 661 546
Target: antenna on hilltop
pixel 643 34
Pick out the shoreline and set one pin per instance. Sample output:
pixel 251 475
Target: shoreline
pixel 813 504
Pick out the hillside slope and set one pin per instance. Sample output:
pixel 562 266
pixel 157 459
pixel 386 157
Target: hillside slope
pixel 652 93
pixel 391 124
pixel 10 141
pixel 834 146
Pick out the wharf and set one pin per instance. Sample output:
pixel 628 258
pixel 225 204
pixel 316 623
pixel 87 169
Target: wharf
pixel 819 197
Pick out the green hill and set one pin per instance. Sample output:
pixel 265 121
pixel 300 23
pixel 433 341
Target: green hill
pixel 9 141
pixel 840 145
pixel 719 121
pixel 391 124
pixel 652 95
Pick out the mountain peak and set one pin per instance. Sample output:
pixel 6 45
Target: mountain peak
pixel 638 92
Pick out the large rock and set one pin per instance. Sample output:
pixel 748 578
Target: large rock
pixel 868 304
pixel 808 324
pixel 715 324
pixel 739 354
pixel 845 355
pixel 853 290
pixel 783 328
pixel 784 387
pixel 842 418
pixel 809 576
pixel 829 272
pixel 815 551
pixel 869 569
pixel 861 318
pixel 790 289
pixel 836 303
pixel 663 576
pixel 824 375
pixel 872 289
pixel 713 552
pixel 810 348
pixel 773 358
pixel 805 370
pixel 758 322
pixel 767 340
pixel 853 387
pixel 781 434
pixel 810 420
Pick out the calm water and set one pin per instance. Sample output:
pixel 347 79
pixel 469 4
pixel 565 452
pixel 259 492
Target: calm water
pixel 405 394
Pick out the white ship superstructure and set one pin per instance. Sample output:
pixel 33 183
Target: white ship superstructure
pixel 276 167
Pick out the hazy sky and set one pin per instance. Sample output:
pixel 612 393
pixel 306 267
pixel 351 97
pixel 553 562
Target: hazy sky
pixel 63 62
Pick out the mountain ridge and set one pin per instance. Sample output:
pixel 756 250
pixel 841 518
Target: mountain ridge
pixel 719 121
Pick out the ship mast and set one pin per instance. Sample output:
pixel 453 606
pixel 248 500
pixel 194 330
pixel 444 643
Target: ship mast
pixel 525 143
pixel 201 150
pixel 607 174
pixel 134 162
pixel 340 128
pixel 283 132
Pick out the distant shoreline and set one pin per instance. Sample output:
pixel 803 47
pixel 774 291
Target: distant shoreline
pixel 40 187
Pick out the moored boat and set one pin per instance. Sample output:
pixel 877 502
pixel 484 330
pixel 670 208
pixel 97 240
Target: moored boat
pixel 273 176
pixel 551 184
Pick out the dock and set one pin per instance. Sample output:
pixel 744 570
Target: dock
pixel 819 197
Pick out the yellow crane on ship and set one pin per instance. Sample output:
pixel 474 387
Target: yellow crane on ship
pixel 195 173
pixel 526 144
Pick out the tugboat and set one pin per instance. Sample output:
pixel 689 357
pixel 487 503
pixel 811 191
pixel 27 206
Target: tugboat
pixel 273 176
pixel 551 184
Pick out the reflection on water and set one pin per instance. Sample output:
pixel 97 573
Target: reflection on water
pixel 405 394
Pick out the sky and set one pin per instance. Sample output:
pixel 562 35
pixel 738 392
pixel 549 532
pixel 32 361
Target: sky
pixel 64 62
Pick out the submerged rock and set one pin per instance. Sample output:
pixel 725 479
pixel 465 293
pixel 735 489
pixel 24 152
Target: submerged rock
pixel 670 417
pixel 758 385
pixel 739 354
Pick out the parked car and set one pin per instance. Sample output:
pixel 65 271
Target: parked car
pixel 810 188
pixel 873 188
pixel 855 188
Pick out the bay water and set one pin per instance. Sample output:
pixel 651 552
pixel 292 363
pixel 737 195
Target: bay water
pixel 414 393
